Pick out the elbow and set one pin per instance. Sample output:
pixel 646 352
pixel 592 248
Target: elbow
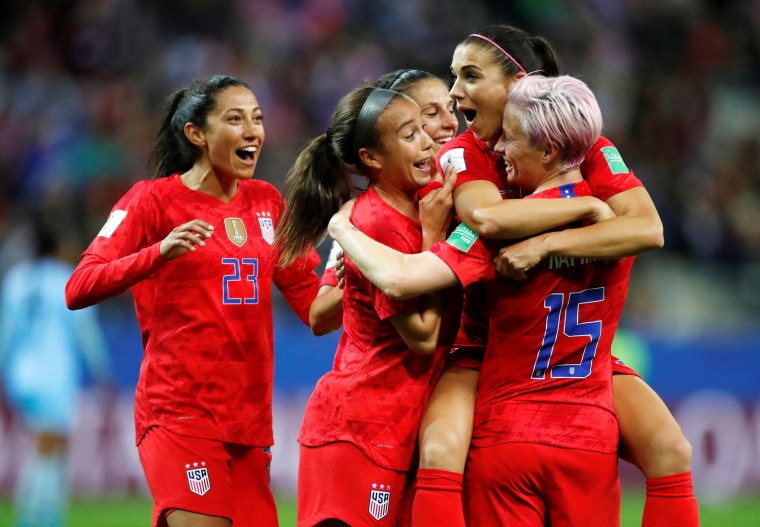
pixel 655 237
pixel 72 302
pixel 320 329
pixel 426 347
pixel 482 224
pixel 397 289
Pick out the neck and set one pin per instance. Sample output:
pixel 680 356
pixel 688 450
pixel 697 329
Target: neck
pixel 554 179
pixel 204 179
pixel 405 203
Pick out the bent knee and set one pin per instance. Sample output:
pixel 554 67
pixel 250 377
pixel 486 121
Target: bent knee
pixel 444 452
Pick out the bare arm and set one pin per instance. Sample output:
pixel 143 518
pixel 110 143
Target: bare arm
pixel 420 329
pixel 636 228
pixel 397 274
pixel 480 206
pixel 326 311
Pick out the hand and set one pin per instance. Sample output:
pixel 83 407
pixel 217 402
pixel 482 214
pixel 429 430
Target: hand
pixel 340 270
pixel 436 208
pixel 601 211
pixel 341 218
pixel 514 261
pixel 185 238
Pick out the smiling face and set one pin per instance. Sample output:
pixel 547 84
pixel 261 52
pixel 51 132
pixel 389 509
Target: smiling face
pixel 401 158
pixel 525 164
pixel 480 90
pixel 234 133
pixel 437 109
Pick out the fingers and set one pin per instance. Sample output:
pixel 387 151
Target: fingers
pixel 185 237
pixel 347 208
pixel 449 179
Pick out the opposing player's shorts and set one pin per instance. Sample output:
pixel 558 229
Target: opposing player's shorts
pixel 339 481
pixel 620 368
pixel 207 477
pixel 528 484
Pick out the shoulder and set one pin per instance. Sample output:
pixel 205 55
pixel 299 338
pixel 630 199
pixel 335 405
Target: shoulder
pixel 261 187
pixel 260 192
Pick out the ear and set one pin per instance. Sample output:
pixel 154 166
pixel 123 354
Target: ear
pixel 370 158
pixel 195 135
pixel 550 152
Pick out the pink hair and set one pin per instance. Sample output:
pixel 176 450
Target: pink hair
pixel 560 109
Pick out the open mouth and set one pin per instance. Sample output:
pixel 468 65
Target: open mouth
pixel 423 165
pixel 247 153
pixel 469 114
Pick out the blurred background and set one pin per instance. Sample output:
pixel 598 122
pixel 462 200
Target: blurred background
pixel 82 83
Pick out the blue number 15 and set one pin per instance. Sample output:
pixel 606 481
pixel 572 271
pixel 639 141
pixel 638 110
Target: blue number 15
pixel 573 328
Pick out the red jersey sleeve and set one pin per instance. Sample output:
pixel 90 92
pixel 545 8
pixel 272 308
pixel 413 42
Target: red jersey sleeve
pixel 471 159
pixel 299 284
pixel 121 255
pixel 466 255
pixel 606 172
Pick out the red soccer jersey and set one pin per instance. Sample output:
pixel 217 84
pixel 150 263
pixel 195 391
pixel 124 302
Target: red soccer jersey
pixel 546 376
pixel 205 317
pixel 374 395
pixel 603 168
pixel 473 160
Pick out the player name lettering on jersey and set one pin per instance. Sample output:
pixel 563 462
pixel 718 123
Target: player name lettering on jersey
pixel 558 262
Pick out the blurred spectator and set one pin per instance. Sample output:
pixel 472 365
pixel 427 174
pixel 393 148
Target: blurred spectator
pixel 41 349
pixel 678 81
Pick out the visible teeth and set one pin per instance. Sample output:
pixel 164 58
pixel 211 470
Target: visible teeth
pixel 250 149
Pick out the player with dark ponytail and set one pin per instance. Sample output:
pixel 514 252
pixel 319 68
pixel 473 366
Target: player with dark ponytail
pixel 486 65
pixel 360 426
pixel 194 245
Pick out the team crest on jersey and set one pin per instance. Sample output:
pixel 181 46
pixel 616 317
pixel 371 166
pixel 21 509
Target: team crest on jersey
pixel 236 231
pixel 379 500
pixel 197 478
pixel 267 226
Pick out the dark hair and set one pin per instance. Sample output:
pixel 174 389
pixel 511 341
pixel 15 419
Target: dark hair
pixel 173 152
pixel 321 179
pixel 534 54
pixel 403 81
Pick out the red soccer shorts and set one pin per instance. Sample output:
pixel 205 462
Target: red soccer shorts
pixel 339 481
pixel 527 484
pixel 208 477
pixel 620 368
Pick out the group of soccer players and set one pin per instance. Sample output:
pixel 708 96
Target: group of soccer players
pixel 537 415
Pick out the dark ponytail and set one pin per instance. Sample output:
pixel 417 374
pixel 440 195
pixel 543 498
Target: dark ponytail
pixel 173 152
pixel 533 54
pixel 321 179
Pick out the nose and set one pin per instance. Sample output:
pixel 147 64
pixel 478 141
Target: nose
pixel 426 142
pixel 456 90
pixel 501 146
pixel 450 122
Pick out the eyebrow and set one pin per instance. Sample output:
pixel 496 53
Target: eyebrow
pixel 256 109
pixel 404 124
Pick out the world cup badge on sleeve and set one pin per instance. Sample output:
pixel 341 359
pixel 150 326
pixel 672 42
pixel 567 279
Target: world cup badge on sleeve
pixel 267 226
pixel 379 500
pixel 235 231
pixel 197 478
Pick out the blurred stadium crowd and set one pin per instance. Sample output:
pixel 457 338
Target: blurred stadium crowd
pixel 82 83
